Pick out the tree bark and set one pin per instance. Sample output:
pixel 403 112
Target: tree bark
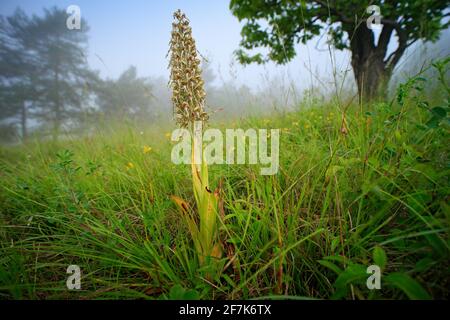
pixel 23 121
pixel 57 106
pixel 371 68
pixel 371 77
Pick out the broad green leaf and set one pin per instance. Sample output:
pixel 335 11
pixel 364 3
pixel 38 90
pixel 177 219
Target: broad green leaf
pixel 438 245
pixel 424 264
pixel 379 257
pixel 191 295
pixel 331 266
pixel 354 274
pixel 408 285
pixel 439 112
pixel 433 122
pixel 176 292
pixel 340 259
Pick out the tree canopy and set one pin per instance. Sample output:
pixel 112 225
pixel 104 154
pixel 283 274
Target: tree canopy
pixel 278 25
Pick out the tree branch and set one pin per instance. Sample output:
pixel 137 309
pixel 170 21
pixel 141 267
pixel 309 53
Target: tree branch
pixel 341 16
pixel 395 56
pixel 384 39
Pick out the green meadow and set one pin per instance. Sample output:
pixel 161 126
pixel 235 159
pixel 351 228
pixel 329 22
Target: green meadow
pixel 358 185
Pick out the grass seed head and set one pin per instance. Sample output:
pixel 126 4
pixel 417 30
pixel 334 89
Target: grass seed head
pixel 188 94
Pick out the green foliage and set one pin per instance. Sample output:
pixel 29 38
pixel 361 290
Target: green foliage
pixel 127 97
pixel 355 276
pixel 408 285
pixel 177 292
pixel 43 64
pixel 379 257
pixel 280 25
pixel 277 27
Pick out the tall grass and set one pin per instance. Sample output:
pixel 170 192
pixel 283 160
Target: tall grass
pixel 374 194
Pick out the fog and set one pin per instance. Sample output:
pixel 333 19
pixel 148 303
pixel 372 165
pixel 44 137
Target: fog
pixel 115 68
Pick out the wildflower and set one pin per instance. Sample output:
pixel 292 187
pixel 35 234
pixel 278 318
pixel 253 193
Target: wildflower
pixel 188 98
pixel 147 149
pixel 130 165
pixel 168 134
pixel 186 81
pixel 295 123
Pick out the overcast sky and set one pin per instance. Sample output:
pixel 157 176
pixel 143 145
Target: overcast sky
pixel 137 32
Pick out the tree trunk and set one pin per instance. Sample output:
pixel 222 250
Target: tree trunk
pixel 372 72
pixel 23 121
pixel 371 77
pixel 57 106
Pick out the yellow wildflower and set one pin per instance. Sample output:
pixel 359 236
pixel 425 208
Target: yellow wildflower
pixel 130 165
pixel 147 149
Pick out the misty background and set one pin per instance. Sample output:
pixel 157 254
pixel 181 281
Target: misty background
pixel 115 67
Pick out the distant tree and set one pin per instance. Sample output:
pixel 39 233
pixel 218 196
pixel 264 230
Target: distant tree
pixel 279 24
pixel 44 63
pixel 127 97
pixel 18 72
pixel 8 133
pixel 64 74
